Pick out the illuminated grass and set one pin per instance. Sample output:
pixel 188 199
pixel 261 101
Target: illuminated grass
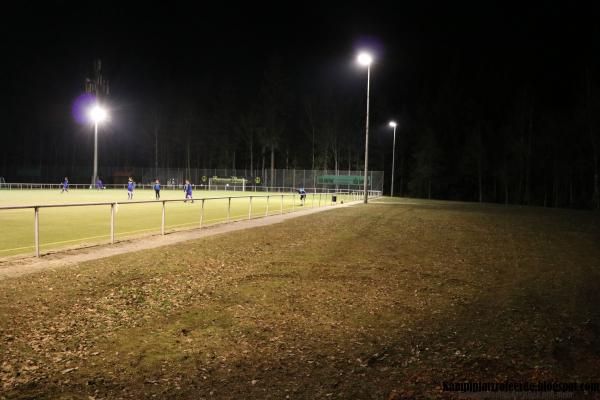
pixel 73 226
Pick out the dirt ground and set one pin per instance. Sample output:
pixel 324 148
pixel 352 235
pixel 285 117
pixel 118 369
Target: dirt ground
pixel 384 301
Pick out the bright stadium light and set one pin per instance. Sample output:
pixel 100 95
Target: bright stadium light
pixel 393 124
pixel 365 59
pixel 97 114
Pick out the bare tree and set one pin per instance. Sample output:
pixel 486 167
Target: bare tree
pixel 593 139
pixel 275 101
pixel 474 154
pixel 248 130
pixel 311 127
pixel 427 163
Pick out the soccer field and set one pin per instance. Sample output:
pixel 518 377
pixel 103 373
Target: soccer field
pixel 62 227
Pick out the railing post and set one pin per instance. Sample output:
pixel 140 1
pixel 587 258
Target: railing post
pixel 162 224
pixel 250 208
pixel 281 208
pixel 319 199
pixel 202 213
pixel 36 229
pixel 312 204
pixel 228 209
pixel 294 203
pixel 112 223
pixel 267 211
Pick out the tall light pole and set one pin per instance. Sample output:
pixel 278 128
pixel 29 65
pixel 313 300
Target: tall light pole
pixel 393 124
pixel 97 86
pixel 97 114
pixel 365 59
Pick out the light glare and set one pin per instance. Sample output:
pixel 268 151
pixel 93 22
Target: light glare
pixel 98 114
pixel 393 124
pixel 365 59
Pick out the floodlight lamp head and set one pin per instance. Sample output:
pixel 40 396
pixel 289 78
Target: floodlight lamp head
pixel 365 59
pixel 98 114
pixel 393 124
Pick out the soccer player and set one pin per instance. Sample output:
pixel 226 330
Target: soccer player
pixel 130 187
pixel 157 189
pixel 99 184
pixel 188 191
pixel 65 185
pixel 302 193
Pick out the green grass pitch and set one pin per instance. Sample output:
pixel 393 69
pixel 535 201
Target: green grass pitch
pixel 63 227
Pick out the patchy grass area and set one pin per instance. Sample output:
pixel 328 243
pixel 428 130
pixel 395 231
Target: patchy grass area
pixel 367 302
pixel 80 226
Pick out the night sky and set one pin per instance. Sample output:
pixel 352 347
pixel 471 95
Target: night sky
pixel 514 73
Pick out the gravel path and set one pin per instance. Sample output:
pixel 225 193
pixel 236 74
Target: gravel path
pixel 14 267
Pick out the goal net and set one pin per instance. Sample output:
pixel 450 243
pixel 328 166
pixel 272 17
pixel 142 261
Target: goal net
pixel 232 183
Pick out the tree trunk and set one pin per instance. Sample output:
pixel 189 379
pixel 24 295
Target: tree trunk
pixel 545 193
pixel 571 192
pixel 272 164
pixel 480 179
pixel 264 173
pixel 336 164
pixel 336 169
pixel 555 186
pixel 429 189
pixel 400 172
pixel 528 159
pixel 156 151
pixel 167 158
pixel 349 160
pixel 593 142
pixel 188 156
pixel 313 148
pixel 188 166
pixel 251 159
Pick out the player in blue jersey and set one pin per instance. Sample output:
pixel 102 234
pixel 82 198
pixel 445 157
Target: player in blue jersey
pixel 302 194
pixel 188 191
pixel 157 189
pixel 65 185
pixel 130 187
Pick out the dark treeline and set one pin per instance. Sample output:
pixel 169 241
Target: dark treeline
pixel 466 135
pixel 489 133
pixel 506 114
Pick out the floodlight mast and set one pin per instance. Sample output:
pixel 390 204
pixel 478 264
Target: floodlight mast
pixel 97 114
pixel 393 124
pixel 365 59
pixel 97 86
pixel 95 174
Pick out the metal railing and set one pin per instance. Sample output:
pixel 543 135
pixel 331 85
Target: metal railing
pixel 140 186
pixel 322 199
